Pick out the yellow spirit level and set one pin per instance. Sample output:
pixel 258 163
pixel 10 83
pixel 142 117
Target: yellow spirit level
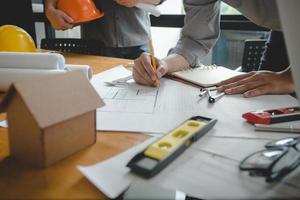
pixel 160 153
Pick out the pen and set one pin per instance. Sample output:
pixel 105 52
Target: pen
pixel 213 99
pixel 151 49
pixel 202 92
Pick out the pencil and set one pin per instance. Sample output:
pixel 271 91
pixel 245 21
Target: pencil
pixel 153 62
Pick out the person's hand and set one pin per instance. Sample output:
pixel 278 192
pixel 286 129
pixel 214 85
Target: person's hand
pixel 59 19
pixel 143 72
pixel 258 83
pixel 128 3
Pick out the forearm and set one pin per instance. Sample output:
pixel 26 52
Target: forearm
pixel 50 7
pixel 50 4
pixel 58 19
pixel 175 62
pixel 200 31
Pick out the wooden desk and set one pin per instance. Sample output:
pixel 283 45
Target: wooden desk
pixel 63 180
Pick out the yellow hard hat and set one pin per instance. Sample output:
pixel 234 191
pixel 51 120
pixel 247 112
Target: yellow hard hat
pixel 15 39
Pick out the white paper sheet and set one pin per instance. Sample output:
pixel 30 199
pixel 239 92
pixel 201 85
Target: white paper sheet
pixel 289 127
pixel 119 99
pixel 22 60
pixel 10 75
pixel 112 184
pixel 197 173
pixel 176 102
pixel 126 111
pixel 3 124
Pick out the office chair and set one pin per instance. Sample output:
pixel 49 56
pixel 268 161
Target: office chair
pixel 72 45
pixel 253 51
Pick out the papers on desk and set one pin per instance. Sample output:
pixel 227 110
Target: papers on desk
pixel 201 171
pixel 113 184
pixel 208 169
pixel 3 124
pixel 289 127
pixel 138 108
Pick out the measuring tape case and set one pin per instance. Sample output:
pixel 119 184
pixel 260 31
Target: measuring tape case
pixel 164 150
pixel 273 116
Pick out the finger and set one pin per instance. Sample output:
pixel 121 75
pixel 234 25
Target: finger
pixel 66 26
pixel 245 81
pixel 161 68
pixel 146 62
pixel 235 78
pixel 231 82
pixel 138 78
pixel 144 81
pixel 243 87
pixel 139 68
pixel 67 19
pixel 62 25
pixel 257 91
pixel 161 71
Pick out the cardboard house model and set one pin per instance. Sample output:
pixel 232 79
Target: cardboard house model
pixel 51 118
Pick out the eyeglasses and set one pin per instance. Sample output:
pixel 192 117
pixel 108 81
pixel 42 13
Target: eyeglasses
pixel 278 159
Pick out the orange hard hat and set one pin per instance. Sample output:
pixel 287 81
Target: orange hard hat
pixel 80 10
pixel 15 39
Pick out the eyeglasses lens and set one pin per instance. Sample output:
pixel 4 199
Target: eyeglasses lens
pixel 297 146
pixel 279 158
pixel 291 157
pixel 262 159
pixel 280 143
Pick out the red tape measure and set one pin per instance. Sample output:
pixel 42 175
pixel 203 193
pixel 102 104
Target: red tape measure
pixel 273 116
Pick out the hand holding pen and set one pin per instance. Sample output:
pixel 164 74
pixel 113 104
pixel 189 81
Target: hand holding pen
pixel 153 61
pixel 144 72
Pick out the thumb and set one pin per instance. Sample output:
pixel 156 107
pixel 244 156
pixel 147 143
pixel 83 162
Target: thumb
pixel 68 19
pixel 162 68
pixel 161 71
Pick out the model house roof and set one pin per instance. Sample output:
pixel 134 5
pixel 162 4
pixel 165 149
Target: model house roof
pixel 55 98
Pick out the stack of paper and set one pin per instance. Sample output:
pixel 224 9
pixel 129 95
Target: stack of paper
pixel 17 66
pixel 290 127
pixel 137 108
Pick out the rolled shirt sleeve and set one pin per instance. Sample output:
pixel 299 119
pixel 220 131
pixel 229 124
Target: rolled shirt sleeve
pixel 200 32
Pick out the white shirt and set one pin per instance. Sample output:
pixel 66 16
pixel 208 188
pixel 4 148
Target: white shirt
pixel 202 24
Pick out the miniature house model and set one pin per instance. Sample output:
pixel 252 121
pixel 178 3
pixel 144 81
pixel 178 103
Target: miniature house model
pixel 51 118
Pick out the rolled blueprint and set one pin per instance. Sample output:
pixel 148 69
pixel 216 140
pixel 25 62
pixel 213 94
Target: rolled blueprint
pixel 152 9
pixel 84 68
pixel 23 60
pixel 8 76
